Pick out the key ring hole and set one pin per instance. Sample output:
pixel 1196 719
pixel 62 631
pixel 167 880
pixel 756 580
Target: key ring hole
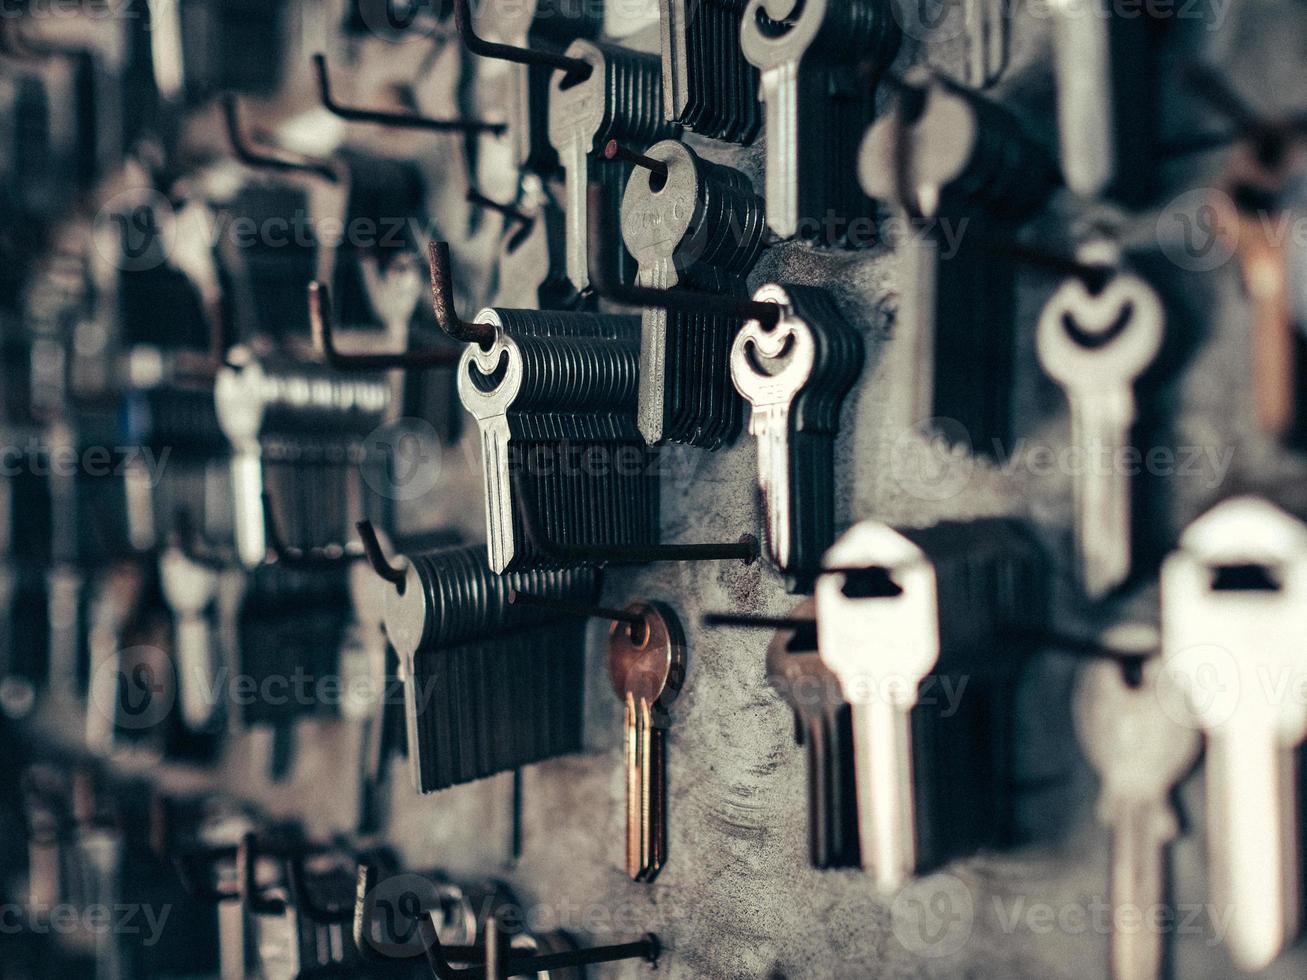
pixel 1096 340
pixel 639 634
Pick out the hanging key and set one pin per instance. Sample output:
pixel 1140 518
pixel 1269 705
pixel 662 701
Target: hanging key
pixel 695 224
pixel 814 57
pixel 1234 611
pixel 646 664
pixel 796 376
pixel 823 726
pixel 708 85
pixel 190 589
pixel 1107 106
pixel 895 607
pixel 619 98
pixel 1096 345
pixel 1140 752
pixel 458 637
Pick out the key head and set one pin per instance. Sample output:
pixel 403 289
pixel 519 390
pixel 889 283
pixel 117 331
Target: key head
pixel 408 614
pixel 489 379
pixel 659 214
pixel 777 32
pixel 1234 614
pixel 579 109
pixel 647 663
pixel 878 629
pixel 188 587
pixel 771 367
pixel 1130 735
pixel 795 668
pixel 1086 339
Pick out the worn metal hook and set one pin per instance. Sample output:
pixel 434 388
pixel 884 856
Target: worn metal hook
pixel 400 119
pixel 320 321
pixel 745 550
pixel 577 69
pixel 268 158
pixel 680 300
pixel 442 301
pixel 377 558
pixel 634 620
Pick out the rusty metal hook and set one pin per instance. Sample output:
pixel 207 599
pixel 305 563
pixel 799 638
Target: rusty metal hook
pixel 442 301
pixel 401 119
pixel 577 69
pixel 267 158
pixel 377 558
pixel 320 321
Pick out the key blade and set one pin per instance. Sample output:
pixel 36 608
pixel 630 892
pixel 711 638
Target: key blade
pixel 1100 426
pixel 882 752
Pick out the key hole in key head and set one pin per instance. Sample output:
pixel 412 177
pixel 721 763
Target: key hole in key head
pixel 776 18
pixel 488 382
pixel 870 583
pixel 1095 340
pixel 1250 577
pixel 769 366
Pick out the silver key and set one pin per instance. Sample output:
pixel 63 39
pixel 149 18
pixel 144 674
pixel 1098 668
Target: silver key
pixel 1083 66
pixel 881 648
pixel 189 588
pixel 1095 345
pixel 1234 618
pixel 772 396
pixel 1140 752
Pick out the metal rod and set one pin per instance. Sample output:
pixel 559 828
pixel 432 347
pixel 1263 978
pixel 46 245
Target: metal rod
pixel 634 620
pixel 401 119
pixel 577 69
pixel 615 151
pixel 267 158
pixel 442 301
pixel 321 324
pixel 745 550
pixel 682 300
pixel 377 558
pixel 475 197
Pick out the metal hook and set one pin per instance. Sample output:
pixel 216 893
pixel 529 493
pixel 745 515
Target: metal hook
pixel 614 150
pixel 475 197
pixel 634 620
pixel 402 119
pixel 442 301
pixel 294 557
pixel 681 300
pixel 745 550
pixel 247 884
pixel 320 321
pixel 577 69
pixel 377 558
pixel 1131 661
pixel 267 158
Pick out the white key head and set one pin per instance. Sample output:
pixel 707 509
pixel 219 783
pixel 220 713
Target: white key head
pixel 1130 735
pixel 1086 339
pixel 771 367
pixel 188 587
pixel 489 379
pixel 1234 616
pixel 880 641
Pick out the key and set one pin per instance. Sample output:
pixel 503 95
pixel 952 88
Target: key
pixel 647 670
pixel 816 102
pixel 1095 345
pixel 896 605
pixel 190 588
pixel 1140 752
pixel 795 377
pixel 795 668
pixel 708 86
pixel 698 224
pixel 1234 611
pixel 622 100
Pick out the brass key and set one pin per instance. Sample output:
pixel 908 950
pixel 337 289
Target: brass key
pixel 647 667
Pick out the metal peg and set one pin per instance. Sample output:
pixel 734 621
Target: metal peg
pixel 577 68
pixel 320 321
pixel 442 301
pixel 266 157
